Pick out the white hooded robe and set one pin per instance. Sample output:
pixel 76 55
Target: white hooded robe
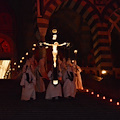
pixel 40 85
pixel 53 91
pixel 78 79
pixel 29 90
pixel 69 88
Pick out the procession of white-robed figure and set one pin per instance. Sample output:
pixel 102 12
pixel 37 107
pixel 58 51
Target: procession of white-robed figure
pixel 64 76
pixel 71 77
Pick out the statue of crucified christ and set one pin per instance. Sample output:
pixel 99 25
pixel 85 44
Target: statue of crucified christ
pixel 55 51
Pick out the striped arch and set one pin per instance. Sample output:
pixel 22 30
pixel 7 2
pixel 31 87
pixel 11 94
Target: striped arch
pixel 108 14
pixel 98 29
pixel 114 21
pixel 110 8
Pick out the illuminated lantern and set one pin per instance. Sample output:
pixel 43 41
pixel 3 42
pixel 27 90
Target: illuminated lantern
pixel 75 51
pixel 54 37
pixel 54 30
pixel 104 71
pixel 55 82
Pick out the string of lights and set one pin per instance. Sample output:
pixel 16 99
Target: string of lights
pixel 103 97
pixel 16 66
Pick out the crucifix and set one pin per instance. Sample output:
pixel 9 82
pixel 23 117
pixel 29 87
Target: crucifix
pixel 55 51
pixel 55 45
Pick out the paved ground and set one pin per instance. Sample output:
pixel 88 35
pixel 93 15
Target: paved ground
pixel 85 106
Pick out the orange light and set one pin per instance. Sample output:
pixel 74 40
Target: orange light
pixel 87 90
pixel 26 53
pixel 110 100
pixel 23 58
pixel 82 88
pixel 118 103
pixel 103 97
pixel 73 61
pixel 75 51
pixel 98 95
pixel 33 49
pixel 34 45
pixel 14 63
pixel 13 69
pixel 20 61
pixel 54 31
pixel 18 66
pixel 92 93
pixel 103 71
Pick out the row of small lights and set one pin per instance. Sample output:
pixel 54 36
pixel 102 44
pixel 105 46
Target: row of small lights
pixel 15 64
pixel 103 97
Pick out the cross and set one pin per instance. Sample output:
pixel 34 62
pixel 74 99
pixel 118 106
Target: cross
pixel 55 51
pixel 55 45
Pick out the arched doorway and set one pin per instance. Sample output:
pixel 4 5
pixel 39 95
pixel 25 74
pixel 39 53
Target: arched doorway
pixel 74 29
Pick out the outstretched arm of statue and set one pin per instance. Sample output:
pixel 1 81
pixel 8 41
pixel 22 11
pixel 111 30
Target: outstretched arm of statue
pixel 47 44
pixel 62 44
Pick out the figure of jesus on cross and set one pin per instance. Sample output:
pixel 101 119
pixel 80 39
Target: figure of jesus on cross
pixel 55 45
pixel 54 48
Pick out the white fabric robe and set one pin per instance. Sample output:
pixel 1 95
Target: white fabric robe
pixel 69 88
pixel 29 90
pixel 53 91
pixel 40 85
pixel 78 79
